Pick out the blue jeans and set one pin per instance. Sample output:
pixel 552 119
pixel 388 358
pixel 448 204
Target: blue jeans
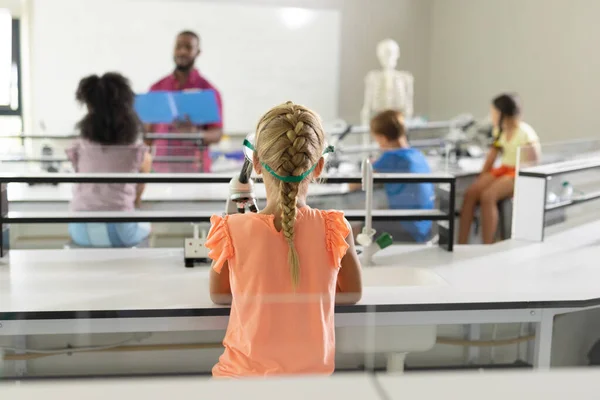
pixel 109 235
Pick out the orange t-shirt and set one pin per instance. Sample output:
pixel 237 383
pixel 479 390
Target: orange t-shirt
pixel 274 329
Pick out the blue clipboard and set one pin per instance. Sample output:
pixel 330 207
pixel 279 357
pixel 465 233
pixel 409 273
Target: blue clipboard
pixel 163 107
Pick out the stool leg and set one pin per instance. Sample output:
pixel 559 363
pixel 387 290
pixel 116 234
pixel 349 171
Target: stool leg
pixel 395 363
pixel 501 222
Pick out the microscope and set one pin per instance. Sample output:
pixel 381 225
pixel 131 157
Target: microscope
pixel 457 140
pixel 335 161
pixel 241 192
pixel 241 196
pixel 47 163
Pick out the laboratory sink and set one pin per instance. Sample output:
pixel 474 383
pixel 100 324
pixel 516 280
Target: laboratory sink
pixel 393 341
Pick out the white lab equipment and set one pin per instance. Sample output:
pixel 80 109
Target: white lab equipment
pixel 551 198
pixel 566 193
pixel 388 88
pixel 241 187
pixel 365 238
pixel 194 250
pixel 241 195
pixel 241 192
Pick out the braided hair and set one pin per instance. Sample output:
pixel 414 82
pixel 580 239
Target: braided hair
pixel 290 140
pixel 111 118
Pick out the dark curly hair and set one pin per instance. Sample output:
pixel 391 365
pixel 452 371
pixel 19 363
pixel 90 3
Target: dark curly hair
pixel 508 105
pixel 111 117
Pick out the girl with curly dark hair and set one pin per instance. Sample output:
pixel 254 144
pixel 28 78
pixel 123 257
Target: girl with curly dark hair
pixel 110 143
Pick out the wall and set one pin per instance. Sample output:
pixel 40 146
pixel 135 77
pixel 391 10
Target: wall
pixel 463 52
pixel 544 49
pixel 14 6
pixel 253 68
pixel 364 23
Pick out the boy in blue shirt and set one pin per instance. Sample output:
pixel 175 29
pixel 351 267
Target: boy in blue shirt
pixel 397 156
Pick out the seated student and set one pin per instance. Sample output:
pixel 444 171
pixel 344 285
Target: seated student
pixel 283 269
pixel 109 143
pixel 397 156
pixel 496 184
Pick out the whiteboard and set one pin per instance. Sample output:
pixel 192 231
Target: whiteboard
pixel 256 55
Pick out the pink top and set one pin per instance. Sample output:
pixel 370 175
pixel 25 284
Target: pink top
pixel 184 148
pixel 90 157
pixel 274 329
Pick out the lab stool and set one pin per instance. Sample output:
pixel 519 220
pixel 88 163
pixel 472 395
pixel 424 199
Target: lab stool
pixel 395 342
pixel 505 210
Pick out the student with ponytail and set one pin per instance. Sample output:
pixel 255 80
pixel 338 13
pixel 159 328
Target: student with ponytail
pixel 283 269
pixel 110 142
pixel 496 184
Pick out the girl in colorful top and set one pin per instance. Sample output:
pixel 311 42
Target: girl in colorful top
pixel 109 143
pixel 283 269
pixel 496 184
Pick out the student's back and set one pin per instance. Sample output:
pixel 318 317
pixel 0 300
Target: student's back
pixel 387 128
pixel 275 328
pixel 90 157
pixel 109 143
pixel 283 270
pixel 407 196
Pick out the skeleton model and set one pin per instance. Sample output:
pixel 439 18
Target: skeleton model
pixel 388 88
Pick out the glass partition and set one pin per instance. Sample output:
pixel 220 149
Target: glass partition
pixel 115 297
pixel 76 311
pixel 105 278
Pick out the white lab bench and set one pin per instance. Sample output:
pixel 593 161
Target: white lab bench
pixel 156 196
pixel 50 292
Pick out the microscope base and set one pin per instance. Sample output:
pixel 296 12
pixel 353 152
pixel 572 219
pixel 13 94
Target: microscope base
pixel 191 262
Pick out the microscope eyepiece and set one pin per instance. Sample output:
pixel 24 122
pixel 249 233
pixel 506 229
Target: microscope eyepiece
pixel 246 171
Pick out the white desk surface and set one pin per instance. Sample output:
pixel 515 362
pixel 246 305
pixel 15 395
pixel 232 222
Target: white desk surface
pixel 587 162
pixel 466 166
pixel 155 192
pixel 577 384
pixel 561 272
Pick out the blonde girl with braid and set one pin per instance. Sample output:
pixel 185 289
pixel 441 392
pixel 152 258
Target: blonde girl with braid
pixel 283 269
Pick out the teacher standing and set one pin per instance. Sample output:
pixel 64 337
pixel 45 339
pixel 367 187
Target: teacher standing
pixel 186 77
